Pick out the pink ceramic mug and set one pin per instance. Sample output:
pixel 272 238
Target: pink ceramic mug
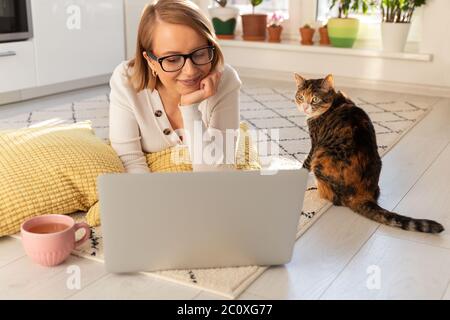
pixel 48 240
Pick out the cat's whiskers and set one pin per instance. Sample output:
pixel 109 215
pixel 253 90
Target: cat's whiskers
pixel 315 114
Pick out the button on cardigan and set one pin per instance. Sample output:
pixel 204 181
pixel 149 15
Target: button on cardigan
pixel 138 122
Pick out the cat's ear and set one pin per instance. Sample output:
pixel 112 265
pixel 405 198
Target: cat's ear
pixel 328 82
pixel 299 80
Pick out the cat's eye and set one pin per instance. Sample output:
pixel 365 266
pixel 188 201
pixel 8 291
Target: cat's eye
pixel 301 98
pixel 316 100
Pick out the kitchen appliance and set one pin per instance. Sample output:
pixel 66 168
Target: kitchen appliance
pixel 15 20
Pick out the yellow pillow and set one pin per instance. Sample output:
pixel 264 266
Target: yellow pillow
pixel 54 169
pixel 246 156
pixel 50 170
pixel 246 159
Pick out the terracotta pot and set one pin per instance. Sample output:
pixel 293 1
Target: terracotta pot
pixel 254 27
pixel 324 39
pixel 307 36
pixel 275 33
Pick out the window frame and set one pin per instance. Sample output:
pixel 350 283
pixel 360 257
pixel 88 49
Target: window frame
pixel 258 9
pixel 290 26
pixel 370 31
pixel 306 11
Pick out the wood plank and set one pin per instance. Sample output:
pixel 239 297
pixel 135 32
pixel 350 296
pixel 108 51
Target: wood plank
pixel 447 293
pixel 250 296
pixel 406 269
pixel 429 198
pixel 134 286
pixel 23 279
pixel 205 295
pixel 10 250
pixel 319 256
pixel 404 164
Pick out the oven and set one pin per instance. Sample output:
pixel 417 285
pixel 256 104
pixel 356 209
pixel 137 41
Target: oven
pixel 15 20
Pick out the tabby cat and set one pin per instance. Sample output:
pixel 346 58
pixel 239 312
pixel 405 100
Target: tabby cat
pixel 344 154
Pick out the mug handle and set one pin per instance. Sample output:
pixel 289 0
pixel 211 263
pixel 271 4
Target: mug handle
pixel 87 232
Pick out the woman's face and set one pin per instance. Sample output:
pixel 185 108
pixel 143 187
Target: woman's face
pixel 178 39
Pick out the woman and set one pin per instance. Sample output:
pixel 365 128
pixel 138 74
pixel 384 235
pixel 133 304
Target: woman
pixel 176 90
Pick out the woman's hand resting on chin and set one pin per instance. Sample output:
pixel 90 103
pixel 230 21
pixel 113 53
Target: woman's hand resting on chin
pixel 208 88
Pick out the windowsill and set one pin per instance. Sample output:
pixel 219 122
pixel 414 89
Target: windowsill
pixel 289 45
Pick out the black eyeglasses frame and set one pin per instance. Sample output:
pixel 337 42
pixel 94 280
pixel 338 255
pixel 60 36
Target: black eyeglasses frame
pixel 185 57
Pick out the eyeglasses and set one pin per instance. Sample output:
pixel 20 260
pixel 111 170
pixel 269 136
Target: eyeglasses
pixel 176 62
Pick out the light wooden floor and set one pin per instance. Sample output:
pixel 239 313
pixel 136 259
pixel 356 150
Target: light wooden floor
pixel 334 259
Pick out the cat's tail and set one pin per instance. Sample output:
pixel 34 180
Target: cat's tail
pixel 371 210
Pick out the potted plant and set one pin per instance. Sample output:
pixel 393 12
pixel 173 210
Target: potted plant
pixel 274 27
pixel 343 30
pixel 254 25
pixel 307 34
pixel 224 19
pixel 324 38
pixel 396 22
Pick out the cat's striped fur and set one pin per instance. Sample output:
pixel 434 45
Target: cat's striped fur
pixel 344 155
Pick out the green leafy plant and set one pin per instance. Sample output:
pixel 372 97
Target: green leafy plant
pixel 399 11
pixel 222 3
pixel 347 6
pixel 254 4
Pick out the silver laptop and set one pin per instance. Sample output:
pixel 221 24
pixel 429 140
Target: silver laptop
pixel 162 221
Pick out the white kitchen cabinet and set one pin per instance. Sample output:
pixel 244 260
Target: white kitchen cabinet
pixel 76 39
pixel 17 69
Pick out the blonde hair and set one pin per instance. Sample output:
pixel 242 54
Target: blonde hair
pixel 182 12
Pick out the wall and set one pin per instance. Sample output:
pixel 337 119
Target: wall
pixel 133 10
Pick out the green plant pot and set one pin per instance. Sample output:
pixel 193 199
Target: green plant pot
pixel 343 32
pixel 224 21
pixel 224 28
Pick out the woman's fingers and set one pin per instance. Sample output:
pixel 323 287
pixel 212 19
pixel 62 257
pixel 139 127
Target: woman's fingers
pixel 211 84
pixel 208 87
